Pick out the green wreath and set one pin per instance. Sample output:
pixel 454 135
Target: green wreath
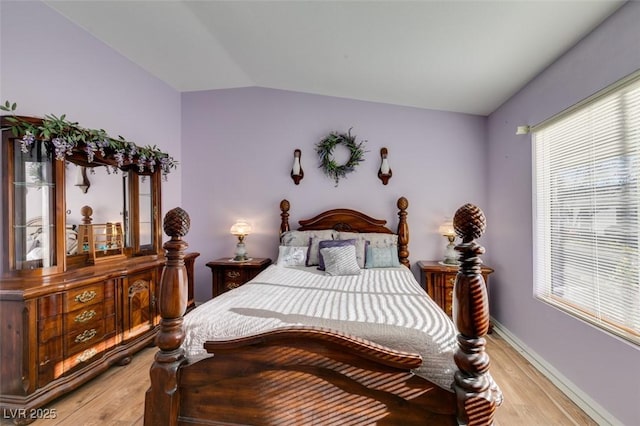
pixel 325 147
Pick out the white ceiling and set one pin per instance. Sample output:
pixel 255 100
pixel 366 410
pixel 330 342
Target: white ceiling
pixel 463 56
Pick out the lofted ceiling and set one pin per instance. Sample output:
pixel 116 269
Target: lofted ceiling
pixel 462 56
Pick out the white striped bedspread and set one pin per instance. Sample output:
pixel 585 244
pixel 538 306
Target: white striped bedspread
pixel 386 306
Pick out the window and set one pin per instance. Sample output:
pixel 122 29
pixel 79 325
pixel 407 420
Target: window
pixel 587 210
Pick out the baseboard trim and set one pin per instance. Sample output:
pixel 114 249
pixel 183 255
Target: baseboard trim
pixel 581 399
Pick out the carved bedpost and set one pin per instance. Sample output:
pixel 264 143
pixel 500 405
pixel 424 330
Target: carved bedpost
pixel 478 395
pixel 403 232
pixel 284 216
pixel 162 402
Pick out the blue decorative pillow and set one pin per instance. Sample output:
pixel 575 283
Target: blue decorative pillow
pixel 340 260
pixel 364 239
pixel 332 243
pixel 382 257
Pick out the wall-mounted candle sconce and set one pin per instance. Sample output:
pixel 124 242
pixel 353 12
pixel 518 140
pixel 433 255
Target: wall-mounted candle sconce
pixel 385 171
pixel 82 181
pixel 296 171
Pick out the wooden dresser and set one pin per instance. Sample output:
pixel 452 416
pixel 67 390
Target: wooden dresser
pixel 55 338
pixel 438 281
pixel 227 274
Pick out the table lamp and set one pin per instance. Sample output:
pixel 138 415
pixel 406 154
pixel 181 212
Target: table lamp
pixel 450 254
pixel 240 229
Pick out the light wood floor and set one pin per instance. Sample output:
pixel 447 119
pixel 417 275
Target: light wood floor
pixel 117 396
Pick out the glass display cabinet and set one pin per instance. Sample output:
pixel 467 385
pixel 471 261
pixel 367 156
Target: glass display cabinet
pixel 30 209
pixel 41 236
pixel 82 259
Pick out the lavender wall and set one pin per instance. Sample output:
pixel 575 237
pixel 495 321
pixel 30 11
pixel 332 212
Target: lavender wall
pixel 49 65
pixel 607 369
pixel 238 148
pixel 238 151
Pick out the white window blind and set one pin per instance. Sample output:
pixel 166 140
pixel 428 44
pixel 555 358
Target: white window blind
pixel 587 210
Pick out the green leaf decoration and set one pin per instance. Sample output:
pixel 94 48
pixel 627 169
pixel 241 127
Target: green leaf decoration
pixel 325 148
pixel 67 138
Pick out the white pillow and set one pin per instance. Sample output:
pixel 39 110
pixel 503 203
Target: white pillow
pixel 340 260
pixel 292 256
pixel 301 238
pixel 376 239
pixel 309 239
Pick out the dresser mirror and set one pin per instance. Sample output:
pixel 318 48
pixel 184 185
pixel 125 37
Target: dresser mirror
pixel 107 194
pixel 122 213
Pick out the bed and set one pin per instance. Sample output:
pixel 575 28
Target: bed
pixel 300 346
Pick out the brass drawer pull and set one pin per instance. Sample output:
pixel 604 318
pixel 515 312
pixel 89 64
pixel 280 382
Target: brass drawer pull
pixel 137 287
pixel 85 316
pixel 231 286
pixel 86 355
pixel 452 281
pixel 86 335
pixel 86 296
pixel 233 274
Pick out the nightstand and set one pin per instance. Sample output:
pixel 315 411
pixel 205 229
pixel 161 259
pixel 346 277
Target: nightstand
pixel 438 281
pixel 227 274
pixel 189 262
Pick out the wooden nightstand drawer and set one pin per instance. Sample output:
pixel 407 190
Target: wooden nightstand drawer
pixel 227 274
pixel 438 281
pixel 446 292
pixel 233 278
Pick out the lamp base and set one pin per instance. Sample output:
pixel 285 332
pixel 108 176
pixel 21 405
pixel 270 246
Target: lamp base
pixel 241 259
pixel 450 254
pixel 241 252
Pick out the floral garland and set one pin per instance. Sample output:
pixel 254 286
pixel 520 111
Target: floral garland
pixel 325 147
pixel 66 138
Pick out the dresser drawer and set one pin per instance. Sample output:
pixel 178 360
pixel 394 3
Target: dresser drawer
pixel 84 296
pixel 84 318
pixel 49 328
pixel 49 361
pixel 84 357
pixel 50 306
pixel 84 337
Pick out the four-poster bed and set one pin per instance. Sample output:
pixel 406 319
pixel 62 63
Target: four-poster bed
pixel 303 373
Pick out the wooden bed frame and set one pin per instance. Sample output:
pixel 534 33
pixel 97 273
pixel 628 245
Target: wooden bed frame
pixel 308 375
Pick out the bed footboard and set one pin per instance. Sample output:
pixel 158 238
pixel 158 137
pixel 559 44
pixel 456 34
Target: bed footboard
pixel 305 376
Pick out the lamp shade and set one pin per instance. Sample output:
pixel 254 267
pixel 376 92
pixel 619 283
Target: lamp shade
pixel 241 227
pixel 446 229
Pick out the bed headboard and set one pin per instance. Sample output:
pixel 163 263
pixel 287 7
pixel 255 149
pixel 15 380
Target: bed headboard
pixel 347 220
